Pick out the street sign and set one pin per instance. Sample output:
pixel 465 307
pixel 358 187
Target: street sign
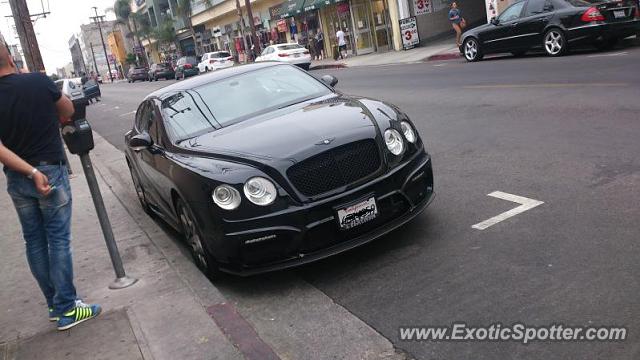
pixel 409 31
pixel 422 7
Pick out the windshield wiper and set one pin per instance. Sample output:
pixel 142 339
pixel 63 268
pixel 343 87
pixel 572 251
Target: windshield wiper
pixel 298 101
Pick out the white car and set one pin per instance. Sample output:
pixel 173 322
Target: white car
pixel 72 88
pixel 291 53
pixel 215 60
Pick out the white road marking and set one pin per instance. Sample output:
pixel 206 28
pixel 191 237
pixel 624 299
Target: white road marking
pixel 443 64
pixel 116 107
pixel 129 113
pixel 611 54
pixel 525 204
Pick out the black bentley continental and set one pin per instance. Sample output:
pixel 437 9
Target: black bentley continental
pixel 265 166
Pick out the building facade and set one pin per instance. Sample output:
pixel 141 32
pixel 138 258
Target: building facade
pixel 92 51
pixel 77 57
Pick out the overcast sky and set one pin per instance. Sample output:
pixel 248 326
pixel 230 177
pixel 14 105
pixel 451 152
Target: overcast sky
pixel 54 32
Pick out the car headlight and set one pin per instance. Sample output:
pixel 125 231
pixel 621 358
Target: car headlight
pixel 393 140
pixel 408 132
pixel 226 196
pixel 260 191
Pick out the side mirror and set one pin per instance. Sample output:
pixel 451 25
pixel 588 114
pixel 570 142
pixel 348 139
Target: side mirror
pixel 329 80
pixel 495 21
pixel 140 141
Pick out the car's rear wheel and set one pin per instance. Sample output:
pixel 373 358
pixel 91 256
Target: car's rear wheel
pixel 471 49
pixel 201 256
pixel 554 43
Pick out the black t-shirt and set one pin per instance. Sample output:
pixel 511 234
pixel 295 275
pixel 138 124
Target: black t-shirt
pixel 29 124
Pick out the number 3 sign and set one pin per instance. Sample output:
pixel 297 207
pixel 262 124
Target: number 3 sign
pixel 409 30
pixel 422 7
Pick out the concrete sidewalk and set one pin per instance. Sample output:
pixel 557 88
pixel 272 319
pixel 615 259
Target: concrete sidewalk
pixel 416 55
pixel 163 316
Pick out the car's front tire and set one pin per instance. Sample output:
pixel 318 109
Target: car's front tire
pixel 471 49
pixel 201 256
pixel 554 42
pixel 139 191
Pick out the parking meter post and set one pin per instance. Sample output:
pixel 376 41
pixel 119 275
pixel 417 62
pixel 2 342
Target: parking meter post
pixel 79 140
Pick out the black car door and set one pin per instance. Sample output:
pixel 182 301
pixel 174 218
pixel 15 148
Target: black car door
pixel 530 29
pixel 500 37
pixel 143 158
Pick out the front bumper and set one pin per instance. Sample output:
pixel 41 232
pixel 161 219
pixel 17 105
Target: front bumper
pixel 604 31
pixel 303 234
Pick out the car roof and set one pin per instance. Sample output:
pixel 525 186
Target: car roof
pixel 287 44
pixel 207 78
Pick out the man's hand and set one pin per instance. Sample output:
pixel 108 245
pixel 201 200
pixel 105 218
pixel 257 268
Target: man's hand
pixel 41 182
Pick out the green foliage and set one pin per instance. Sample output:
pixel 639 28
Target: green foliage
pixel 131 59
pixel 165 33
pixel 122 9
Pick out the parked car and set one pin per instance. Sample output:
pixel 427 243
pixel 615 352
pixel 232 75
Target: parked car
pixel 554 26
pixel 71 88
pixel 186 66
pixel 161 71
pixel 215 60
pixel 291 53
pixel 91 90
pixel 137 73
pixel 321 173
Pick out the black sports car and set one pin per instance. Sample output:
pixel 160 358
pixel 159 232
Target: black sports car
pixel 554 26
pixel 264 167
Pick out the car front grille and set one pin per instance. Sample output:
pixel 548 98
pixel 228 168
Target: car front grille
pixel 337 167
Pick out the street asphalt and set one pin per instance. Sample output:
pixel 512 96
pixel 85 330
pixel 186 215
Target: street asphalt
pixel 563 131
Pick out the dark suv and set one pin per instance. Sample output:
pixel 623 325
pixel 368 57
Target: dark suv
pixel 137 73
pixel 161 71
pixel 186 66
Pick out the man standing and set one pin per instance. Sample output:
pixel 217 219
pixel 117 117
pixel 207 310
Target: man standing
pixel 342 43
pixel 37 181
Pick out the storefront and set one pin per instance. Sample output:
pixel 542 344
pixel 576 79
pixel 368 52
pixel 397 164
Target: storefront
pixel 433 20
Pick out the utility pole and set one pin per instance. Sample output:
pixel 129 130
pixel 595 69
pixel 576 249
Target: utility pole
pixel 98 20
pixel 27 35
pixel 254 37
pixel 93 55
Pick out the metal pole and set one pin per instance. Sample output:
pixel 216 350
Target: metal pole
pixel 27 35
pixel 254 37
pixel 122 280
pixel 98 20
pixel 93 55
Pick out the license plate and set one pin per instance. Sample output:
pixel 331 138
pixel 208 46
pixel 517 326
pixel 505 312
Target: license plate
pixel 296 55
pixel 357 214
pixel 619 14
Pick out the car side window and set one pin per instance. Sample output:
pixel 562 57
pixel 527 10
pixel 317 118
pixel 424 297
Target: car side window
pixel 512 12
pixel 535 7
pixel 154 127
pixel 144 117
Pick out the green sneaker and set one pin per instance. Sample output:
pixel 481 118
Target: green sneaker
pixel 81 313
pixel 53 316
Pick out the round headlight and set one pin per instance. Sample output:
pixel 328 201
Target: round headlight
pixel 408 132
pixel 394 141
pixel 260 191
pixel 227 197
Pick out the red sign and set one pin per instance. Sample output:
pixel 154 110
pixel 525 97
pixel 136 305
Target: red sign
pixel 343 7
pixel 282 26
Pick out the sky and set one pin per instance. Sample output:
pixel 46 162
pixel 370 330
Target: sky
pixel 54 31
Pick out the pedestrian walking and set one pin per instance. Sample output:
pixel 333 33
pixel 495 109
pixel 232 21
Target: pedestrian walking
pixel 320 45
pixel 342 43
pixel 457 21
pixel 31 108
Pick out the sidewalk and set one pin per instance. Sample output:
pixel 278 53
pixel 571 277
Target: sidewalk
pixel 163 316
pixel 445 47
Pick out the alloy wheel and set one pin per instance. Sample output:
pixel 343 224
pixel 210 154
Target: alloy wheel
pixel 471 49
pixel 194 240
pixel 554 42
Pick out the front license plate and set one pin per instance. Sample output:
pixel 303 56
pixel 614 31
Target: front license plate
pixel 619 14
pixel 357 214
pixel 296 55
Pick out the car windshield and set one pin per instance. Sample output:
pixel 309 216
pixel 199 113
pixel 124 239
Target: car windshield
pixel 290 47
pixel 238 98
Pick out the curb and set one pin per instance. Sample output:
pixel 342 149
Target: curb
pixel 444 56
pixel 328 66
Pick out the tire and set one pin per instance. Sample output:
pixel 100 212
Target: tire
pixel 554 42
pixel 142 198
pixel 192 235
pixel 471 49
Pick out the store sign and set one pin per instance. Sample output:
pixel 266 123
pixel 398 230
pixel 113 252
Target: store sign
pixel 343 8
pixel 216 31
pixel 409 31
pixel 492 9
pixel 422 7
pixel 282 26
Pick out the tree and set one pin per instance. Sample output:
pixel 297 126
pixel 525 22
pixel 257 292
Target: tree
pixel 165 33
pixel 185 11
pixel 122 9
pixel 131 59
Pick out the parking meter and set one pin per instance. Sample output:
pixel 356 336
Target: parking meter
pixel 79 139
pixel 77 134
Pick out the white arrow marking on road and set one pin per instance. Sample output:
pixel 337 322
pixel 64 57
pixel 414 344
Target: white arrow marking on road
pixel 525 204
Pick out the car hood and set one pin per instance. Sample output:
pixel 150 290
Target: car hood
pixel 293 133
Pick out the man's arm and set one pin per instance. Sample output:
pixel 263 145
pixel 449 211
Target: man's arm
pixel 14 162
pixel 65 109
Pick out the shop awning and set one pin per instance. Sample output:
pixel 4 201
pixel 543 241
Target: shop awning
pixel 318 4
pixel 286 9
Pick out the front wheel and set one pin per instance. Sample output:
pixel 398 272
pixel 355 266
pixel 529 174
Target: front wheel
pixel 555 43
pixel 471 50
pixel 140 192
pixel 203 259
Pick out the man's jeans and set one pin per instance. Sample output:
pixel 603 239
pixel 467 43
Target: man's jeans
pixel 46 225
